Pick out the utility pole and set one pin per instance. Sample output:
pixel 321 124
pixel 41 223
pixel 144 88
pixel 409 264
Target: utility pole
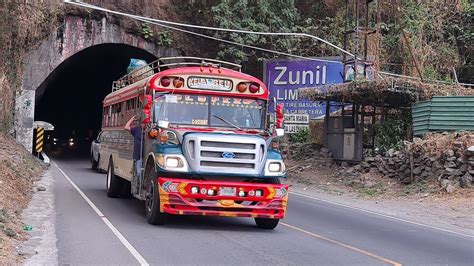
pixel 358 28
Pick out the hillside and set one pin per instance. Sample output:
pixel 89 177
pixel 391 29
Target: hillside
pixel 18 172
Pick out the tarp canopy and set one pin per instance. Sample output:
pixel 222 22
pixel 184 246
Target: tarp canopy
pixel 394 93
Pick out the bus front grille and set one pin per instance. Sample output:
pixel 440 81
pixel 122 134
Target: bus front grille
pixel 225 154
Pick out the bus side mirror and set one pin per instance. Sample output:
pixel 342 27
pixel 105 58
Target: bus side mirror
pixel 163 124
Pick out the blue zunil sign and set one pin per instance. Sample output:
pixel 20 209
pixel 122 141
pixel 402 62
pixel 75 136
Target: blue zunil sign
pixel 284 77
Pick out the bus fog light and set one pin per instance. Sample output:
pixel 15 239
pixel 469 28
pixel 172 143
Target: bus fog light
pixel 251 193
pixel 203 191
pixel 274 167
pixel 194 190
pixel 258 193
pixel 211 192
pixel 241 193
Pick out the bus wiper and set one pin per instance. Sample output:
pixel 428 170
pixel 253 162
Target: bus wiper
pixel 227 122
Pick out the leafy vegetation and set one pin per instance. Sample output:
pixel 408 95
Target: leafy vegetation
pixel 302 136
pixel 165 38
pixel 147 32
pixel 439 33
pixel 260 15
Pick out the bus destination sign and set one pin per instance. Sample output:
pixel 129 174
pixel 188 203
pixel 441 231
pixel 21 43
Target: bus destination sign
pixel 206 83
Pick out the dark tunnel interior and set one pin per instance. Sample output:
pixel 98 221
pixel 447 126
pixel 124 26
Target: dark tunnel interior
pixel 71 97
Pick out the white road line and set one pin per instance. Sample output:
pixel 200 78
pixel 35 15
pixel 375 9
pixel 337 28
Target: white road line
pixel 116 232
pixel 382 215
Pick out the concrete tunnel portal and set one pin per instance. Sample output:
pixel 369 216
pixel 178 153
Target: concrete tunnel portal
pixel 71 96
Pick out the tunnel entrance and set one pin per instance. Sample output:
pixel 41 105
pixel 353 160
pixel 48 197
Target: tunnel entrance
pixel 71 97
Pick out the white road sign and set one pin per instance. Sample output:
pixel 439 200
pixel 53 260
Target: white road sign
pixel 296 119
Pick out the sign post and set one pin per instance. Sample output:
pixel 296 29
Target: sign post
pixel 39 140
pixel 40 127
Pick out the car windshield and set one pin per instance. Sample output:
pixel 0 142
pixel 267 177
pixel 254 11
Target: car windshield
pixel 216 111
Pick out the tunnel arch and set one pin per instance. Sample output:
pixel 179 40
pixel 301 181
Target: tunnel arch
pixel 71 97
pixel 73 38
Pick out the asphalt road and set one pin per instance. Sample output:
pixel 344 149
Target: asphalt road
pixel 313 233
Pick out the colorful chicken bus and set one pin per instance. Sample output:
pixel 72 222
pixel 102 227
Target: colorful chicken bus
pixel 207 142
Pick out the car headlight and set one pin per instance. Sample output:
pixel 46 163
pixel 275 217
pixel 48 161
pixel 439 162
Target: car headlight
pixel 172 162
pixel 275 168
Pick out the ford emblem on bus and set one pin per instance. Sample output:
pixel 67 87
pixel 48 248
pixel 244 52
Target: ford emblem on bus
pixel 228 155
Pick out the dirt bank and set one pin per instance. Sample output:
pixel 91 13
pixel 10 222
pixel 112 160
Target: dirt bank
pixel 18 172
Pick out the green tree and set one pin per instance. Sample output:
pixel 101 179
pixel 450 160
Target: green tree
pixel 259 15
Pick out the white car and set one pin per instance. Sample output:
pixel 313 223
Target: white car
pixel 95 153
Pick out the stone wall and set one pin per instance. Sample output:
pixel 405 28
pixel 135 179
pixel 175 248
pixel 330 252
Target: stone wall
pixel 446 157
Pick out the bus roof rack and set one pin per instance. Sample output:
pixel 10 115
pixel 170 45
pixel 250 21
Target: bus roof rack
pixel 167 63
pixel 170 62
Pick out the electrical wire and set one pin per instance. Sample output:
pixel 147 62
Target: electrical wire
pixel 207 27
pixel 240 44
pixel 162 23
pixel 430 80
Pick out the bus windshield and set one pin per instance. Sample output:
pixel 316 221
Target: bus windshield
pixel 213 111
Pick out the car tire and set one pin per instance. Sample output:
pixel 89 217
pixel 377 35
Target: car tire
pixel 94 163
pixel 114 184
pixel 152 197
pixel 126 189
pixel 266 223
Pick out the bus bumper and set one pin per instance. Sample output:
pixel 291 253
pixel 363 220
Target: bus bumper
pixel 222 198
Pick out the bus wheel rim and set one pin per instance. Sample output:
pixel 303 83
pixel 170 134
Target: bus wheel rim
pixel 109 177
pixel 149 196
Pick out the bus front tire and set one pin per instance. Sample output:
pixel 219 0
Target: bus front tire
pixel 152 197
pixel 114 184
pixel 266 223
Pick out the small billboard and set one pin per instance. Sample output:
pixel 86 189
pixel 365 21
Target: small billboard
pixel 284 77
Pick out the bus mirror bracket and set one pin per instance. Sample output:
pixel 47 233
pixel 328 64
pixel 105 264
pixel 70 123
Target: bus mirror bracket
pixel 279 132
pixel 163 124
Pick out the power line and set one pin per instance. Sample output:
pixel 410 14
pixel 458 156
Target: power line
pixel 430 80
pixel 147 20
pixel 239 44
pixel 73 2
pixel 162 23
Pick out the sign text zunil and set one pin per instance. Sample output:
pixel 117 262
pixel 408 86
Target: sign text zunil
pixel 298 77
pixel 285 77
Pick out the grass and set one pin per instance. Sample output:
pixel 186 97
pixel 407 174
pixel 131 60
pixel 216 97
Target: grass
pixel 371 192
pixel 421 186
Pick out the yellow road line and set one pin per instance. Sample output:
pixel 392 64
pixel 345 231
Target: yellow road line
pixel 344 245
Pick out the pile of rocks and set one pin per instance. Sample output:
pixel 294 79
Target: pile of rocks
pixel 447 157
pixel 310 155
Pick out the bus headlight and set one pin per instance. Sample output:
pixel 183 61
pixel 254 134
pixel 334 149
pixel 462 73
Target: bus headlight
pixel 275 168
pixel 172 162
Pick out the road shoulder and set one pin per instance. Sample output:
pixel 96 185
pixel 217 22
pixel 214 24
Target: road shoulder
pixel 40 216
pixel 434 213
